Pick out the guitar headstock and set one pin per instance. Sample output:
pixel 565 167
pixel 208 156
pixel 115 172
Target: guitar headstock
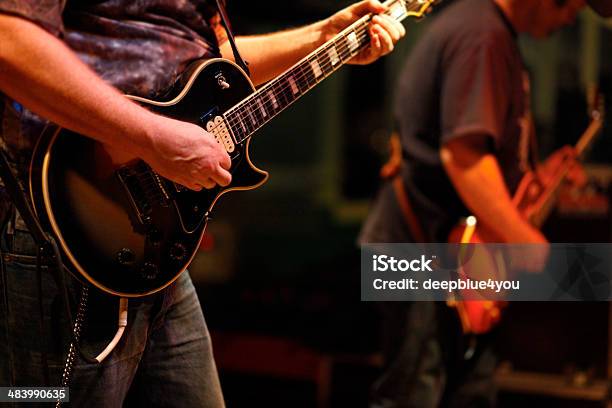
pixel 419 8
pixel 401 9
pixel 596 103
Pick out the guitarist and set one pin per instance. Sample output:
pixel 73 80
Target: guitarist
pixel 70 62
pixel 462 116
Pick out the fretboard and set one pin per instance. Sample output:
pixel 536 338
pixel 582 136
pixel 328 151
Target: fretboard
pixel 259 108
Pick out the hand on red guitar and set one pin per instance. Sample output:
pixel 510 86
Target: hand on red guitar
pixel 557 161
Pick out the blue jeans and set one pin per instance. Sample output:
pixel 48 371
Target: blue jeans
pixel 163 360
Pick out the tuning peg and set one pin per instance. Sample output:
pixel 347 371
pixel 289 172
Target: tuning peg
pixel 595 101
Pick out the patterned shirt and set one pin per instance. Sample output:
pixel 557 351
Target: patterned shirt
pixel 138 46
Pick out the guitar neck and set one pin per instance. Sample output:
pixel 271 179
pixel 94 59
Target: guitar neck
pixel 589 134
pixel 246 117
pixel 550 194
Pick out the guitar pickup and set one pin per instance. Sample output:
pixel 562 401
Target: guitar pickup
pixel 220 131
pixel 215 124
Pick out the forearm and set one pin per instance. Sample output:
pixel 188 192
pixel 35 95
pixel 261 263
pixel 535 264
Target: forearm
pixel 479 182
pixel 271 54
pixel 39 71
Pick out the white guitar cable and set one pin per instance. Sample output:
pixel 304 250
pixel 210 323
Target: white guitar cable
pixel 121 323
pixel 73 351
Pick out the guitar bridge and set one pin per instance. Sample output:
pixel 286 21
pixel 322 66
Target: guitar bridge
pixel 144 188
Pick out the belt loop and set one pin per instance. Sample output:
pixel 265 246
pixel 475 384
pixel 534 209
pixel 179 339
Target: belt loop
pixel 10 230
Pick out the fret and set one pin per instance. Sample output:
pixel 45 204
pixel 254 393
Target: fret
pixel 251 112
pixel 238 128
pixel 296 82
pixel 234 125
pixel 247 122
pixel 276 91
pixel 236 122
pixel 282 92
pixel 343 50
pixel 308 75
pixel 272 99
pixel 262 109
pixel 364 39
pixel 259 116
pixel 353 42
pixel 325 62
pixel 245 128
pixel 283 95
pixel 252 120
pixel 332 54
pixel 315 68
pixel 293 84
pixel 291 91
pixel 264 104
pixel 243 114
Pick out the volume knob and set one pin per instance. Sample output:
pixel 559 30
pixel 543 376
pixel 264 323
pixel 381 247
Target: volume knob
pixel 125 257
pixel 149 271
pixel 178 251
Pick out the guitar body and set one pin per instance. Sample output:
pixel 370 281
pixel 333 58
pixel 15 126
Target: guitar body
pixel 120 226
pixel 130 232
pixel 478 316
pixel 534 201
pixel 478 236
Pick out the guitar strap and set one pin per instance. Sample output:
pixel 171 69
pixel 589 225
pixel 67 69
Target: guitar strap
pixel 532 149
pixel 392 171
pixel 410 217
pixel 16 192
pixel 225 21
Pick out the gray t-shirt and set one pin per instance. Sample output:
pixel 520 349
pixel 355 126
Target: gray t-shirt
pixel 465 76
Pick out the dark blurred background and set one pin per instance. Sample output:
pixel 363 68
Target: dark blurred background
pixel 278 273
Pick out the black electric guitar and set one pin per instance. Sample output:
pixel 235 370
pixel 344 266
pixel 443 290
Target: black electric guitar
pixel 130 232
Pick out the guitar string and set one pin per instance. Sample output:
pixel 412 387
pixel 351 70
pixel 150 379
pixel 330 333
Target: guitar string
pixel 303 73
pixel 345 54
pixel 150 185
pixel 359 30
pixel 342 56
pixel 237 120
pixel 361 33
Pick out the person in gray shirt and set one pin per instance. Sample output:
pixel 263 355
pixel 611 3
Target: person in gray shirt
pixel 463 121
